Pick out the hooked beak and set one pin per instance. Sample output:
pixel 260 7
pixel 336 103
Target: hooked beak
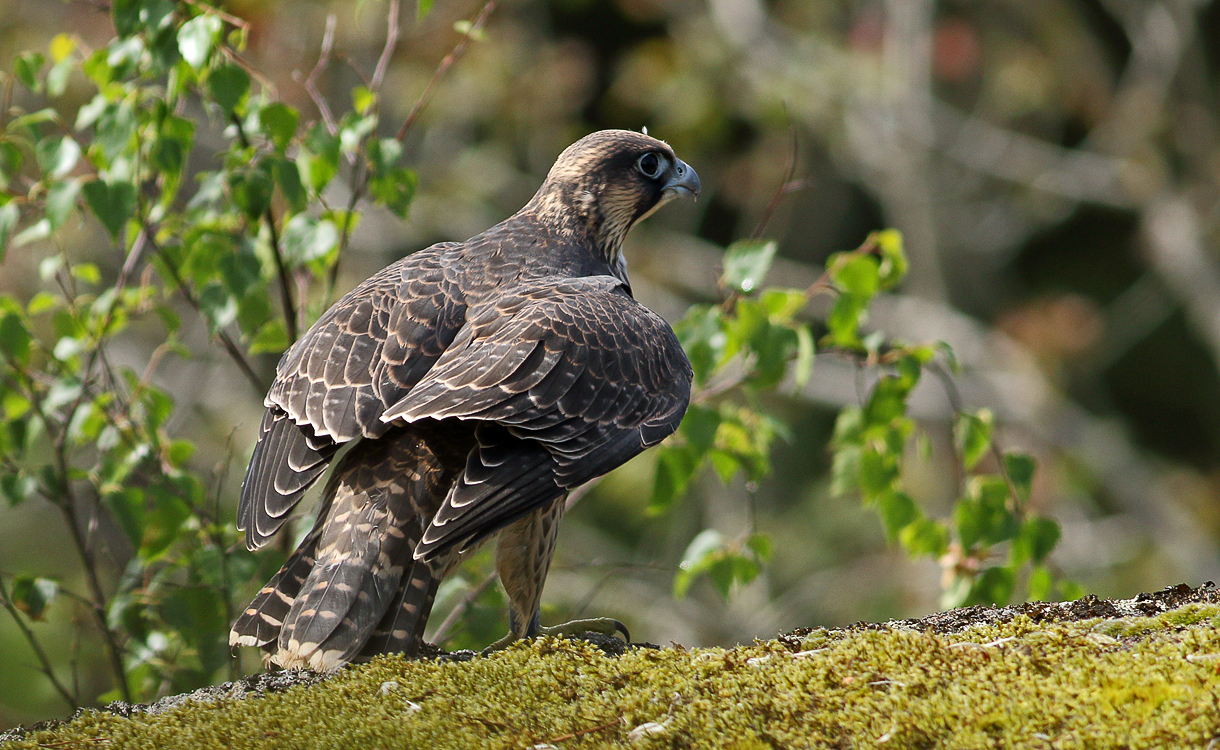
pixel 682 181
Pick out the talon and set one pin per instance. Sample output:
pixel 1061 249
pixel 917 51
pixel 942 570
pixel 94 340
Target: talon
pixel 621 628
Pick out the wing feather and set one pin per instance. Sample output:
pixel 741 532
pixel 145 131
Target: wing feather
pixel 547 366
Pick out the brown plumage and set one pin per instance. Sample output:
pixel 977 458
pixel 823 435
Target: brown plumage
pixel 481 381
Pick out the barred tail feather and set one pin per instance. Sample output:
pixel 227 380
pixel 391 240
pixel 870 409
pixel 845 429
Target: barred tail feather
pixel 259 623
pixel 402 628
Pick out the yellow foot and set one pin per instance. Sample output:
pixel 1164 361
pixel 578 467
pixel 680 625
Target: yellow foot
pixel 604 625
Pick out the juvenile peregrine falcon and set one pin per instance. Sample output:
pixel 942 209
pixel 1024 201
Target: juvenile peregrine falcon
pixel 480 381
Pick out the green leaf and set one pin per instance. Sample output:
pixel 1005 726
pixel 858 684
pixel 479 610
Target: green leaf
pixel 897 511
pixel 746 263
pixel 272 338
pixel 112 204
pixel 1040 584
pixel 782 304
pixel 32 595
pixel 421 9
pixel 288 177
pixel 116 129
pixel 17 487
pixel 701 553
pixel 61 200
pixel 703 337
pixel 218 306
pixel 856 274
pixel 924 537
pixel 804 356
pixel 240 271
pixel 307 238
pixel 197 37
pixel 279 123
pixel 251 190
pixel 972 434
pixel 162 523
pixel 363 100
pixel 15 339
pixel 319 157
pixel 26 68
pixel 1020 468
pixel 699 427
pixel 11 160
pixel 878 472
pixel 1036 540
pixel 127 507
pixel 9 216
pixel 888 400
pixel 983 515
pixel 675 467
pixel 725 464
pixel 57 156
pixel 170 149
pixel 395 189
pixel 893 258
pixel 228 85
pixel 993 586
pixel 761 545
pixel 847 314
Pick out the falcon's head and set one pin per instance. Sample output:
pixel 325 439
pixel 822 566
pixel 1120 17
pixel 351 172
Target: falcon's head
pixel 607 181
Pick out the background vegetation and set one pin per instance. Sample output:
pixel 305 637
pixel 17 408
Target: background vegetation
pixel 1052 166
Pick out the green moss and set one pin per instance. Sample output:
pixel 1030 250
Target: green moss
pixel 1131 683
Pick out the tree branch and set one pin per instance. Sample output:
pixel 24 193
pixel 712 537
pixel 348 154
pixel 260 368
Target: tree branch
pixel 7 603
pixel 454 55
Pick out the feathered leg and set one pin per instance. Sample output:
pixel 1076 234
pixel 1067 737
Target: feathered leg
pixel 353 588
pixel 523 558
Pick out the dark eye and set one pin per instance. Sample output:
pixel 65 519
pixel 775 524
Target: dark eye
pixel 650 165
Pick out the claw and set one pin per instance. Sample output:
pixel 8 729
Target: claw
pixel 605 625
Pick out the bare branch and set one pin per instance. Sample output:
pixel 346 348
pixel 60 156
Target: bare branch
pixel 36 647
pixel 454 55
pixel 387 52
pixel 311 82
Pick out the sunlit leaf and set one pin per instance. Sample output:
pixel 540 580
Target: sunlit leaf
pixel 197 37
pixel 972 434
pixel 746 264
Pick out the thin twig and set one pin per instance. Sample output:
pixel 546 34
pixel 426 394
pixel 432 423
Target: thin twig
pixel 64 498
pixel 787 185
pixel 387 52
pixel 286 296
pixel 37 648
pixel 311 82
pixel 360 179
pixel 454 55
pixel 456 613
pixel 226 17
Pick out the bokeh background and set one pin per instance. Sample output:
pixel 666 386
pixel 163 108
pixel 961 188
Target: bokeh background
pixel 1054 166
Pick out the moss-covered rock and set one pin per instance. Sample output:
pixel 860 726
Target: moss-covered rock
pixel 1004 678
